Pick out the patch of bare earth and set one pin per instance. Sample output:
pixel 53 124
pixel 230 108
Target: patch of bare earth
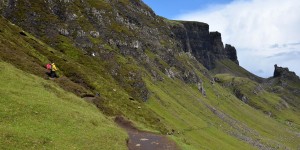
pixel 141 140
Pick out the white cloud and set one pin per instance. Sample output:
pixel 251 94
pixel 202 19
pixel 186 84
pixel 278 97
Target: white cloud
pixel 259 29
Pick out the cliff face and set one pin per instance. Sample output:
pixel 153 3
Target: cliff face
pixel 231 53
pixel 284 73
pixel 125 24
pixel 207 47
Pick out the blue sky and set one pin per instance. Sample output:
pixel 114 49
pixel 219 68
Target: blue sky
pixel 264 32
pixel 172 8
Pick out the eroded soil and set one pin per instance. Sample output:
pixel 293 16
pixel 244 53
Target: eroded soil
pixel 141 140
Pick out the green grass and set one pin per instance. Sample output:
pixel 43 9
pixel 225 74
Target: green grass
pixel 100 4
pixel 266 103
pixel 260 99
pixel 179 108
pixel 37 114
pixel 228 66
pixel 81 76
pixel 199 128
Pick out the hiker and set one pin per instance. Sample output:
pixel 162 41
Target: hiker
pixel 53 71
pixel 48 67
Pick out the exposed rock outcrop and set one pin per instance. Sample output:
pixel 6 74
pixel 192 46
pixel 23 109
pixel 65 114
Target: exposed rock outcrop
pixel 207 47
pixel 241 96
pixel 201 89
pixel 284 72
pixel 231 53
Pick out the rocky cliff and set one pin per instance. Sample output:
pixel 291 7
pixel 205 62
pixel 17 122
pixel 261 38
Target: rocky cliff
pixel 129 25
pixel 207 47
pixel 284 72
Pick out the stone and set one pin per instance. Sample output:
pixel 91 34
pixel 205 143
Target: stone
pixel 81 33
pixel 72 17
pixel 238 93
pixel 136 44
pixel 170 73
pixel 94 34
pixel 144 139
pixel 64 32
pixel 201 89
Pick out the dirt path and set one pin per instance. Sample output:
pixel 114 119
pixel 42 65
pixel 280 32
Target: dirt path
pixel 140 140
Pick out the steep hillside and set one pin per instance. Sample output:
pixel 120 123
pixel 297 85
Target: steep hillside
pixel 286 84
pixel 163 76
pixel 259 96
pixel 37 114
pixel 227 66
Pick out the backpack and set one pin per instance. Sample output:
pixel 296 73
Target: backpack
pixel 48 66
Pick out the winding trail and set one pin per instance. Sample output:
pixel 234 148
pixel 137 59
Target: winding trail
pixel 141 140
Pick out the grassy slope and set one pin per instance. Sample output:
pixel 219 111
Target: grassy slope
pixel 80 76
pixel 270 104
pixel 184 109
pixel 261 99
pixel 36 114
pixel 199 128
pixel 228 66
pixel 194 124
pixel 285 87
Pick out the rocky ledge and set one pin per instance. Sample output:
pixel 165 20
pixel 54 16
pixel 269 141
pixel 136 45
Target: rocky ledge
pixel 284 72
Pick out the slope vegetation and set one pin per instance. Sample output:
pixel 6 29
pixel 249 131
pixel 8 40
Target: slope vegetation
pixel 37 114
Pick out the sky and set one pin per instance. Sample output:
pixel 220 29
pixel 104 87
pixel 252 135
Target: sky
pixel 264 32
